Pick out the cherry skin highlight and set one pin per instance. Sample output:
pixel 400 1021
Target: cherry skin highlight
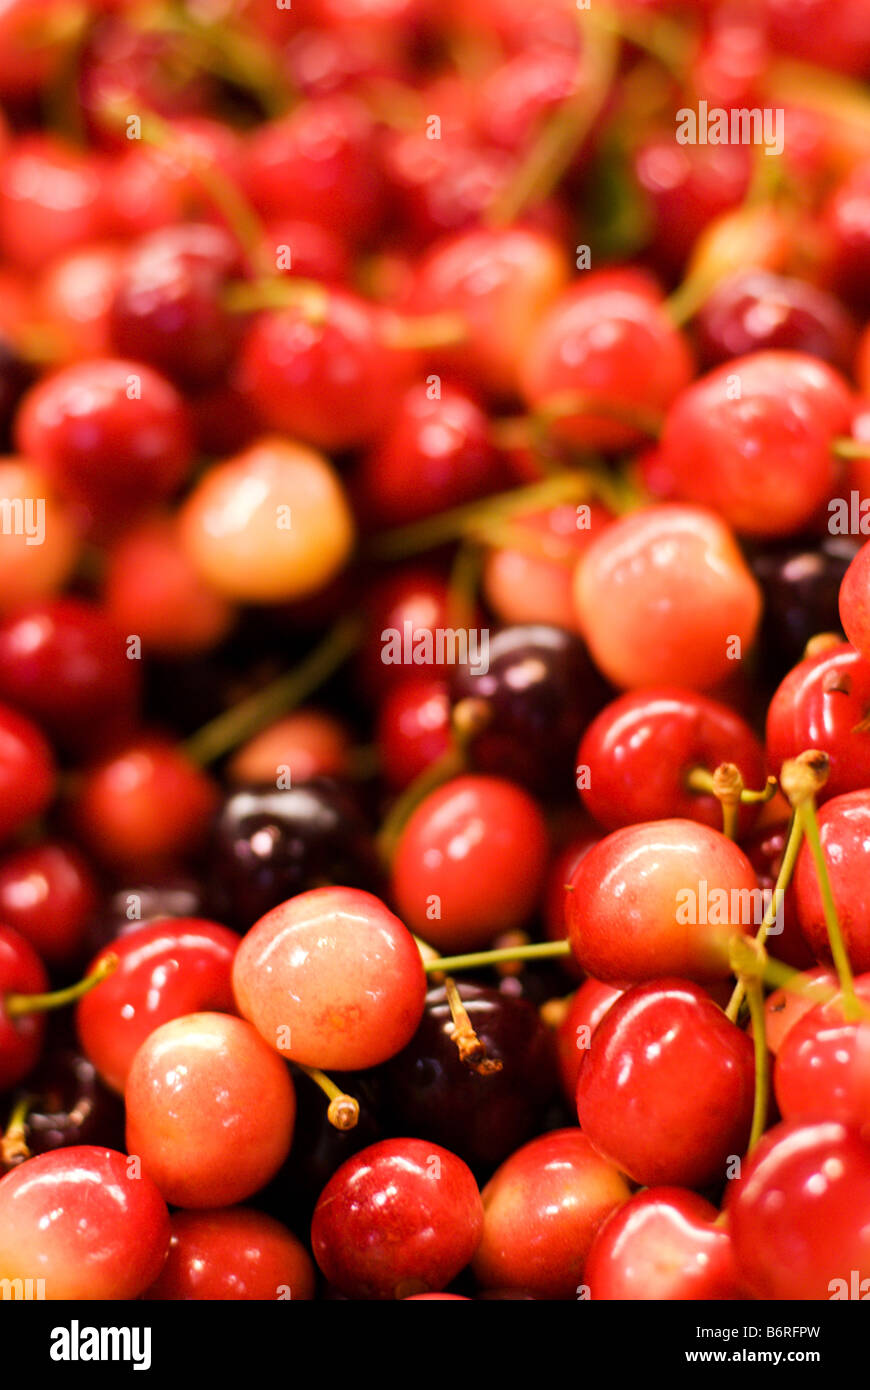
pixel 823 1064
pixel 819 705
pixel 844 829
pixel 233 1254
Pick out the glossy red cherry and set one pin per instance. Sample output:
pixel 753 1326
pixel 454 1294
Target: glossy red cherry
pixel 666 1088
pixel 641 748
pixel 415 595
pixel 819 705
pixel 27 771
pixel 413 729
pixel 38 554
pixel 663 596
pixel 21 972
pixel 844 830
pixel 48 893
pixel 310 742
pixel 534 584
pixel 588 1006
pixel 542 1209
pixel 51 200
pixel 403 1216
pixel 331 979
pixel 784 1007
pixel 75 295
pixel 822 1067
pixel 470 862
pixel 210 1110
pixel 181 965
pixel 233 1254
pixel 855 601
pixel 755 310
pixel 86 1222
pixel 798 1213
pixel 664 1244
pixel 685 187
pixel 112 434
pixel 661 898
pixel 69 665
pixel 784 407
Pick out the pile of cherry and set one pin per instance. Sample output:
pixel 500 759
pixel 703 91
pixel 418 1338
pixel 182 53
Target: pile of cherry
pixel 335 958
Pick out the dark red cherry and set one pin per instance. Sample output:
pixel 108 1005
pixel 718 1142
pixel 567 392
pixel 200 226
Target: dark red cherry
pixel 70 1105
pixel 755 309
pixel 413 729
pixel 27 771
pixel 48 893
pixel 801 587
pixel 21 972
pixel 686 186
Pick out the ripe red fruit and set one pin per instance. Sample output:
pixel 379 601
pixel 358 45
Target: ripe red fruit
pixel 29 571
pixel 38 221
pixel 27 772
pixel 799 1212
pixel 823 1065
pixel 819 705
pixel 784 1007
pixel 574 1034
pixel 233 1254
pixel 48 893
pixel 331 979
pixel 664 596
pixel 855 601
pixel 844 830
pixel 542 1209
pixel 178 966
pixel 783 407
pixel 664 1244
pixel 21 972
pixel 84 1220
pixel 210 1110
pixel 666 1088
pixel 470 862
pixel 660 898
pixel 413 729
pixel 403 1216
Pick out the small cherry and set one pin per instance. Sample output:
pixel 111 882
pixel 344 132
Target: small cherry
pixel 233 1254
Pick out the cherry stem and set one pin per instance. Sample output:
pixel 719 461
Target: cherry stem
pixel 17 1005
pixel 13 1145
pixel 516 431
pixel 343 1112
pixel 224 733
pixel 850 449
pixel 474 960
pixel 278 292
pixel 463 584
pixel 755 995
pixel 566 486
pixel 806 812
pixel 726 784
pixel 783 879
pixel 229 52
pixel 472 1052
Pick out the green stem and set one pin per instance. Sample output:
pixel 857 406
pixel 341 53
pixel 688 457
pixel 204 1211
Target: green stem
pixel 475 960
pixel 13 1144
pixel 240 723
pixel 851 1007
pixel 343 1112
pixel 755 995
pixel 844 448
pixel 783 879
pixel 17 1005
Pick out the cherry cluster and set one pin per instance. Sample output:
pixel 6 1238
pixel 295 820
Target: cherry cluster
pixel 434 651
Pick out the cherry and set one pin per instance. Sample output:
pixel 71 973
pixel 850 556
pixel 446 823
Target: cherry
pixel 309 742
pixel 27 771
pixel 470 862
pixel 499 282
pixel 801 585
pixel 538 692
pixel 663 1244
pixel 542 1209
pixel 415 595
pixel 210 1110
pixel 413 730
pixel 798 1212
pixel 784 407
pixel 146 805
pixel 307 249
pixel 21 973
pixel 786 1006
pixel 521 92
pixel 38 551
pixel 756 310
pixel 846 220
pixel 684 188
pixel 271 524
pixel 48 893
pixel 844 831
pixel 36 37
pixel 85 1221
pixel 821 1067
pixel 166 309
pixel 854 605
pixel 664 596
pixel 435 454
pixel 233 1254
pixel 113 435
pixel 75 294
pixel 588 1006
pixel 555 899
pixel 661 897
pixel 640 750
pixel 534 584
pixel 765 848
pixel 481 1117
pixel 666 1088
pixel 67 664
pixel 821 704
pixel 332 979
pixel 166 969
pixel 611 347
pixel 271 843
pixel 403 1216
pixel 69 1105
pixel 51 200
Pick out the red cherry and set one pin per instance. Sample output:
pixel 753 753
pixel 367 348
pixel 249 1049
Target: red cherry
pixel 470 862
pixel 51 200
pixel 230 1255
pixel 114 435
pixel 403 1216
pixel 640 749
pixel 555 899
pixel 666 1088
pixel 27 772
pixel 308 741
pixel 785 1007
pixel 179 966
pixel 784 407
pixel 819 705
pixel 306 249
pixel 416 595
pixel 664 1244
pixel 542 1209
pixel 574 1034
pixel 664 596
pixel 65 662
pixel 85 1221
pixel 145 806
pixel 799 1213
pixel 413 730
pixel 21 972
pixel 29 570
pixel 31 54
pixel 612 345
pixel 535 585
pixel 844 830
pixel 686 186
pixel 855 602
pixel 75 295
pixel 823 1065
pixel 662 897
pixel 48 894
pixel 332 979
pixel 210 1110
